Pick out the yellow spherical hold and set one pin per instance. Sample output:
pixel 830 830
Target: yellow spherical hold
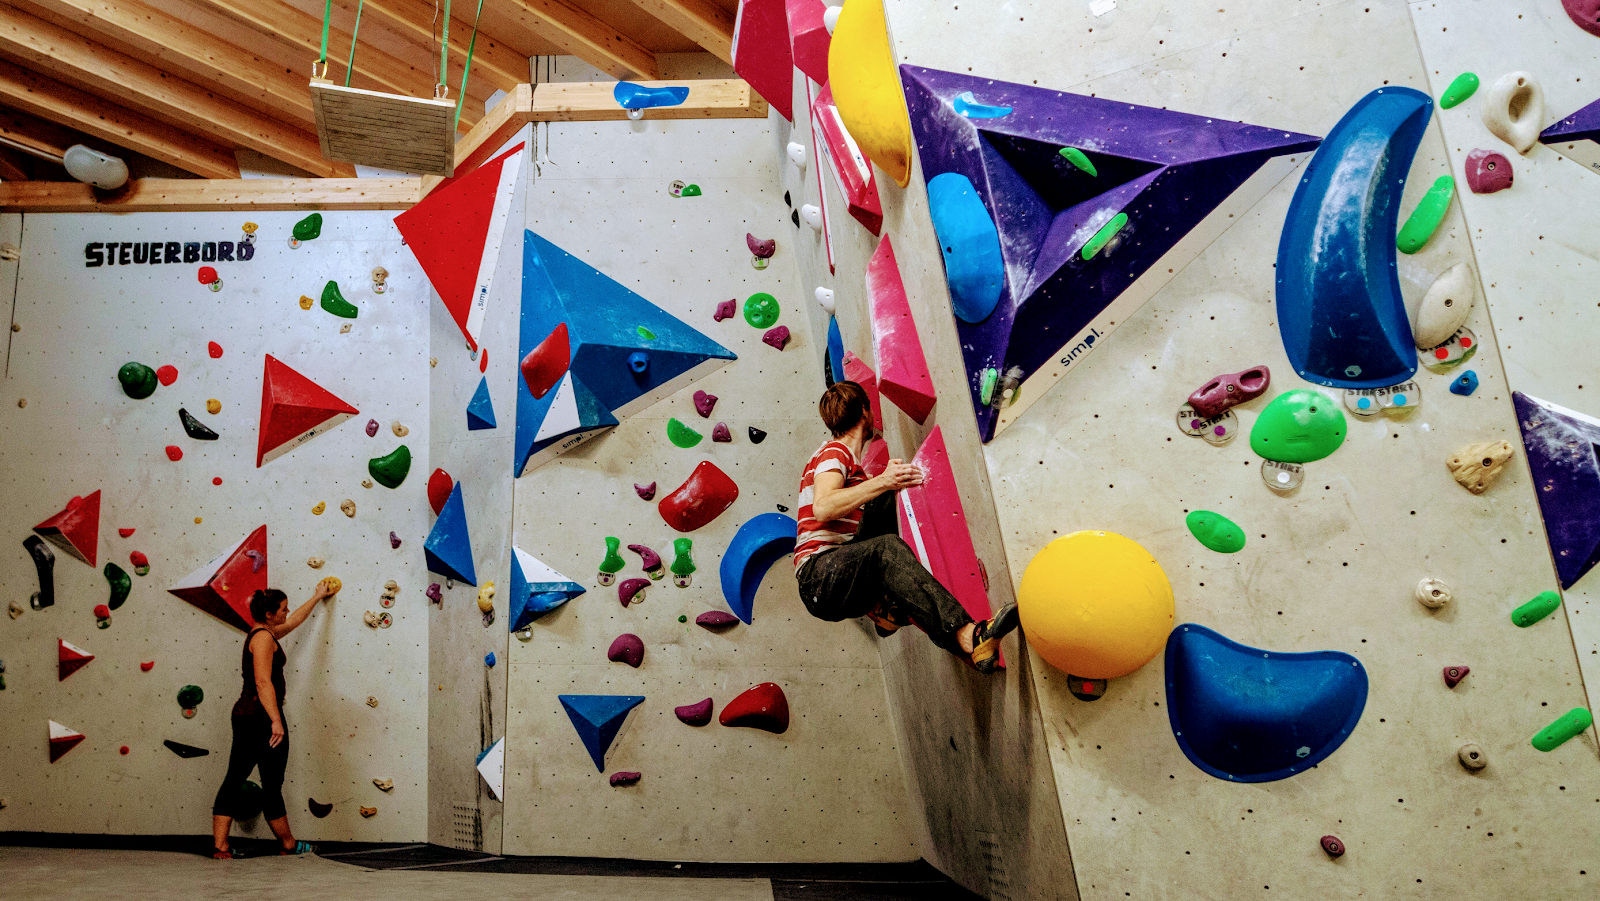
pixel 1095 605
pixel 333 584
pixel 486 597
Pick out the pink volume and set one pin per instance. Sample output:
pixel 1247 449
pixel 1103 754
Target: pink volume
pixel 903 371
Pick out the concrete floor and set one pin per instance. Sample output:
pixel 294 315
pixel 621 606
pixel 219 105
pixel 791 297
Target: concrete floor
pixel 56 874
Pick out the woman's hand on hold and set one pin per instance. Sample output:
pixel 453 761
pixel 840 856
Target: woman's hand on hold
pixel 277 734
pixel 900 474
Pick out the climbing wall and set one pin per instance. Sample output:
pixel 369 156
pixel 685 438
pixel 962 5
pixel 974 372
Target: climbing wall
pixel 352 689
pixel 1329 566
pixel 830 787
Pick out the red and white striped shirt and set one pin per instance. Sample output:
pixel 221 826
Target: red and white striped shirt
pixel 814 536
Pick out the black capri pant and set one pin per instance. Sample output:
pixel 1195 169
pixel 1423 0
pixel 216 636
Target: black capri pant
pixel 251 732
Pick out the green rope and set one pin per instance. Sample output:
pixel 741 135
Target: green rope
pixel 350 64
pixel 327 17
pixel 461 96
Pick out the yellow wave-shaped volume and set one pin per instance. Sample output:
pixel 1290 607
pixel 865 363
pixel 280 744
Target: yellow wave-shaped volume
pixel 866 88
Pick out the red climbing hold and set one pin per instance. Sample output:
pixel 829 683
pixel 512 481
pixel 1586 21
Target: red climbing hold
pixel 147 666
pixel 762 707
pixel 705 495
pixel 124 751
pixel 544 366
pixel 174 453
pixel 207 275
pixel 216 480
pixel 125 533
pixel 439 487
pixel 214 349
pixel 70 658
pixel 727 309
pixel 102 611
pixel 166 375
pixel 76 529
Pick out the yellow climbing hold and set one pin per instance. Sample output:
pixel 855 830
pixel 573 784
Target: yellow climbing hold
pixel 250 228
pixel 306 302
pixel 213 406
pixel 317 510
pixel 486 597
pixel 333 584
pixel 866 88
pixel 197 520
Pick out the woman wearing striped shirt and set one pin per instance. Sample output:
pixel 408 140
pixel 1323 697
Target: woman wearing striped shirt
pixel 849 557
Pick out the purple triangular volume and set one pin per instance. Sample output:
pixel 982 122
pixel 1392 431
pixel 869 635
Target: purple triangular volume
pixel 1577 137
pixel 1169 171
pixel 1561 449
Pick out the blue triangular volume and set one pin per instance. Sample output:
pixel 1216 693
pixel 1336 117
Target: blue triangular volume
pixel 598 719
pixel 1171 173
pixel 480 411
pixel 536 589
pixel 1562 447
pixel 1248 715
pixel 448 548
pixel 607 324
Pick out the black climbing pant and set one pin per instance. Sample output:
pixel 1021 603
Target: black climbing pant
pixel 251 732
pixel 875 567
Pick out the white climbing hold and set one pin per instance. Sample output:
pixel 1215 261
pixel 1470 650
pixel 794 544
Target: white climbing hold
pixel 1513 110
pixel 830 17
pixel 812 214
pixel 348 506
pixel 384 785
pixel 797 155
pixel 399 430
pixel 1445 307
pixel 315 562
pixel 1432 593
pixel 825 297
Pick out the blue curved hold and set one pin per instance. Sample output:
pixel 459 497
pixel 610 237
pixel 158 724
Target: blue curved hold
pixel 970 244
pixel 598 718
pixel 1340 312
pixel 637 96
pixel 1248 715
pixel 758 544
pixel 835 350
pixel 968 106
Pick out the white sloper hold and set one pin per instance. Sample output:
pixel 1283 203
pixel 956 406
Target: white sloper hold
pixel 1445 307
pixel 797 155
pixel 825 298
pixel 1513 110
pixel 1432 593
pixel 812 214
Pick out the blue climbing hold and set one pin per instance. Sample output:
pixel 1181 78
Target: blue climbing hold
pixel 1248 715
pixel 971 246
pixel 488 659
pixel 967 105
pixel 1465 383
pixel 637 96
pixel 536 589
pixel 758 544
pixel 480 411
pixel 835 350
pixel 448 548
pixel 598 718
pixel 1340 312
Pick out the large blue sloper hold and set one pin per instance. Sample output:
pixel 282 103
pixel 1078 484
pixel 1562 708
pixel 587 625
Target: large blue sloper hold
pixel 636 96
pixel 480 410
pixel 598 718
pixel 1340 312
pixel 970 245
pixel 1562 445
pixel 759 543
pixel 536 589
pixel 448 548
pixel 1248 715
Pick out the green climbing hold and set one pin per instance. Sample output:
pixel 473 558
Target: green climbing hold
pixel 1571 723
pixel 1104 235
pixel 645 333
pixel 1077 158
pixel 682 435
pixel 1542 605
pixel 613 561
pixel 682 563
pixel 190 696
pixel 334 302
pixel 1425 219
pixel 308 228
pixel 681 619
pixel 1298 427
pixel 1216 531
pixel 121 584
pixel 1465 85
pixel 690 191
pixel 138 380
pixel 390 469
pixel 761 310
pixel 989 379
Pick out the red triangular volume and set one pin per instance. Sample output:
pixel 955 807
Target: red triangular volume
pixel 76 529
pixel 455 233
pixel 62 740
pixel 294 409
pixel 70 658
pixel 223 587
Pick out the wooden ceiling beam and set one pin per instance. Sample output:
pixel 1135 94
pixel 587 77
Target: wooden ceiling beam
pixel 14 165
pixel 42 137
pixel 701 21
pixel 492 61
pixel 157 195
pixel 580 33
pixel 67 106
pixel 74 58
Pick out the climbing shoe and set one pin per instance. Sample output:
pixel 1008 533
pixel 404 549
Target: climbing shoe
pixel 986 638
pixel 888 619
pixel 299 848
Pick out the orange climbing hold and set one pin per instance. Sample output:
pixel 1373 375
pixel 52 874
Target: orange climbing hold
pixel 762 707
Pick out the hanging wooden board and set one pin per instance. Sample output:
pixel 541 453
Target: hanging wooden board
pixel 387 131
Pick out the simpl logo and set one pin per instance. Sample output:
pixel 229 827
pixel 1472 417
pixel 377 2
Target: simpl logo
pixel 1081 347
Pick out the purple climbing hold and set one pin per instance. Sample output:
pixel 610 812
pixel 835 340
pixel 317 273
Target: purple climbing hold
pixel 632 590
pixel 777 336
pixel 726 310
pixel 628 648
pixel 760 249
pixel 1454 674
pixel 694 714
pixel 1488 171
pixel 703 403
pixel 1584 13
pixel 435 594
pixel 716 620
pixel 645 492
pixel 625 778
pixel 257 560
pixel 394 540
pixel 721 433
pixel 650 560
pixel 1332 845
pixel 372 427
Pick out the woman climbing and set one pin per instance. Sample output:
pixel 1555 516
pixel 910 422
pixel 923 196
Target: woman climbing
pixel 850 559
pixel 260 737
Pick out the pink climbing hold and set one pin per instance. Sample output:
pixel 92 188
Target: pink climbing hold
pixel 694 714
pixel 214 349
pixel 1332 845
pixel 726 310
pixel 876 460
pixel 809 38
pixel 166 375
pixel 1454 674
pixel 372 427
pixel 1488 171
pixel 631 589
pixel 207 275
pixel 862 374
pixel 394 540
pixel 777 336
pixel 704 496
pixel 704 403
pixel 1227 391
pixel 621 779
pixel 627 648
pixel 645 492
pixel 174 453
pixel 1584 13
pixel 649 559
pixel 762 707
pixel 761 52
pixel 903 375
pixel 716 620
pixel 257 559
pixel 720 433
pixel 435 593
pixel 759 248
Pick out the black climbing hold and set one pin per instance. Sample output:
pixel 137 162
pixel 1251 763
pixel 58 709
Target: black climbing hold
pixel 782 509
pixel 318 809
pixel 44 560
pixel 194 428
pixel 794 216
pixel 786 200
pixel 757 436
pixel 1086 689
pixel 185 751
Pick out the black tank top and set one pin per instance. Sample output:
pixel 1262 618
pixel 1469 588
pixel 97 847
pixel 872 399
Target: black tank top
pixel 249 700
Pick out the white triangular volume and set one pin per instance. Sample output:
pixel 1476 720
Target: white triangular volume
pixel 201 576
pixel 503 195
pixel 492 767
pixel 538 573
pixel 58 731
pixel 562 416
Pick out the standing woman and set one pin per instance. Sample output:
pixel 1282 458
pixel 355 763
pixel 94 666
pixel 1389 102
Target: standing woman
pixel 259 735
